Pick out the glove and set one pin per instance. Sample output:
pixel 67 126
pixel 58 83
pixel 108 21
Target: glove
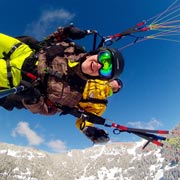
pixel 74 32
pixel 96 135
pixel 30 95
pixel 54 51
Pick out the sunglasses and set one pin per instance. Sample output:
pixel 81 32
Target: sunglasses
pixel 106 60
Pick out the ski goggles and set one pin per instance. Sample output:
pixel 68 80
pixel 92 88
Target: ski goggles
pixel 106 60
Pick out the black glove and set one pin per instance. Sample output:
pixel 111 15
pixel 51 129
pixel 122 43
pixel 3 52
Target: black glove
pixel 30 95
pixel 74 32
pixel 96 135
pixel 54 51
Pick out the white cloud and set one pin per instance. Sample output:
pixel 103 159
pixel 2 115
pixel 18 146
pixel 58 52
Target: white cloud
pixel 152 124
pixel 24 130
pixel 34 139
pixel 47 20
pixel 57 146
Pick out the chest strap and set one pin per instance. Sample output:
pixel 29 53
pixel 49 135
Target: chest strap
pixel 95 100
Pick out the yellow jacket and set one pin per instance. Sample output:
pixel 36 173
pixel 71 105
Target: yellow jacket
pixel 16 59
pixel 97 89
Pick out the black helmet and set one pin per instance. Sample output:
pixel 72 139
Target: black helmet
pixel 116 67
pixel 118 62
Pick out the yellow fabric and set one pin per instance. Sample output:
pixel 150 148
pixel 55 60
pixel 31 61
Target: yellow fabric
pixel 72 64
pixel 95 89
pixel 16 59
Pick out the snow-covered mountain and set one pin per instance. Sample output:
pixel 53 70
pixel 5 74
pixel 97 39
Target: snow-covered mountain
pixel 114 161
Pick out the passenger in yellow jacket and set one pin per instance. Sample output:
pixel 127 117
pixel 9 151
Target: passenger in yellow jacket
pixel 67 66
pixel 94 101
pixel 55 61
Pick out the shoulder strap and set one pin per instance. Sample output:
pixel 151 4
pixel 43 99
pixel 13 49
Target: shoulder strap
pixel 7 59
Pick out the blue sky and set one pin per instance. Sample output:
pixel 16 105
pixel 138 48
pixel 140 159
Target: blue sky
pixel 150 97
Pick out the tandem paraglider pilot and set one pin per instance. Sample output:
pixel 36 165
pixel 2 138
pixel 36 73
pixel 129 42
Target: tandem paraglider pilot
pixel 54 72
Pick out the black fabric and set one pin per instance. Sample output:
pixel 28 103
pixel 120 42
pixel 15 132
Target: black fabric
pixel 31 95
pixel 82 114
pixel 30 41
pixel 94 100
pixel 54 51
pixel 7 55
pixel 10 102
pixel 29 66
pixel 75 82
pixel 96 135
pixel 74 32
pixel 79 49
pixel 9 73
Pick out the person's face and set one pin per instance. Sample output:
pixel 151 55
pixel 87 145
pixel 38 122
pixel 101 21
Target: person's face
pixel 91 66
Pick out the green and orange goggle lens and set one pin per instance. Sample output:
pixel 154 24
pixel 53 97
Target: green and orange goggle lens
pixel 106 60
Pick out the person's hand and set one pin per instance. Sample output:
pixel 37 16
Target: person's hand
pixel 73 32
pixel 96 135
pixel 70 31
pixel 30 95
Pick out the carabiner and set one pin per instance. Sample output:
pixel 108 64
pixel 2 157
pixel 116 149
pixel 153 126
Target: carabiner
pixel 116 131
pixel 82 125
pixel 108 42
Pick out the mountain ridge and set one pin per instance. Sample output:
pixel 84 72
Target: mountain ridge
pixel 113 161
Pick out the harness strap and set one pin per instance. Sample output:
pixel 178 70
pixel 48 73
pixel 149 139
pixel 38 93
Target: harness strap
pixel 9 73
pixel 95 100
pixel 55 74
pixel 7 59
pixel 7 56
pixel 82 114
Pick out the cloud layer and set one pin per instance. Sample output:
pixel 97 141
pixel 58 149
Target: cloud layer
pixel 57 146
pixel 152 124
pixel 48 21
pixel 34 139
pixel 24 130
